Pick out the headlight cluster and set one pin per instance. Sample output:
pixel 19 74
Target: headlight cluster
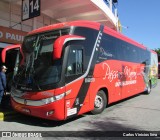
pixel 53 99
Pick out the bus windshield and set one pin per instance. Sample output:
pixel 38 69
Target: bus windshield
pixel 39 71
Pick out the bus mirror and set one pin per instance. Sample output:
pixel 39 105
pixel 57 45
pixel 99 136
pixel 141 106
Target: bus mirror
pixel 4 51
pixel 59 43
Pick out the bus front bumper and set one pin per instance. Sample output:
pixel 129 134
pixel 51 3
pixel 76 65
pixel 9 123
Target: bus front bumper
pixel 51 111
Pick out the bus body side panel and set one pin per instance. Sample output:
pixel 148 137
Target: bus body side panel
pixel 72 101
pixel 121 79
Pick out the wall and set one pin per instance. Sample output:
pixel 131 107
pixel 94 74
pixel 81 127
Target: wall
pixel 10 15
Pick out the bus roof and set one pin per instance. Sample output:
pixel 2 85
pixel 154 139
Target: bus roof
pixel 82 23
pixel 89 24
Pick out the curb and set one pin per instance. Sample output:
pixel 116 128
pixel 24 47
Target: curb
pixel 1 116
pixel 5 115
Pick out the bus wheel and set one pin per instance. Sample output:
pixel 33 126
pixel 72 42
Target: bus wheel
pixel 99 103
pixel 148 91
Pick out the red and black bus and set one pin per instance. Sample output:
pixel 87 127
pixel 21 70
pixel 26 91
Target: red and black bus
pixel 67 69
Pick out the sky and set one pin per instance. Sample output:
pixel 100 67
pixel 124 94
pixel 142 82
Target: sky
pixel 142 17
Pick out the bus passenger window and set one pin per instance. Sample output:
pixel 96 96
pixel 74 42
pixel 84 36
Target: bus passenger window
pixel 74 65
pixel 107 51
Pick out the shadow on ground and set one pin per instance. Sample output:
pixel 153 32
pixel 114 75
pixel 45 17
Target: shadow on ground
pixel 11 116
pixel 99 129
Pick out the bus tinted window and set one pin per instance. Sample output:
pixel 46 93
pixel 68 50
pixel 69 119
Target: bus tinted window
pixel 122 51
pixel 74 65
pixel 90 35
pixel 107 49
pixel 113 48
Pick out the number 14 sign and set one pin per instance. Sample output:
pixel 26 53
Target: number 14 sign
pixel 30 9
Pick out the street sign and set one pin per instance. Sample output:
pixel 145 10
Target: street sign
pixel 30 9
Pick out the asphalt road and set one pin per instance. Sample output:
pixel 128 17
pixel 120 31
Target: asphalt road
pixel 138 113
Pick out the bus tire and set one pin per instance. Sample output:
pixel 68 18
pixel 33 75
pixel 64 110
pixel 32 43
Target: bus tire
pixel 99 103
pixel 148 91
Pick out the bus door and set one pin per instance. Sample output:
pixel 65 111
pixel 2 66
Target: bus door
pixel 10 56
pixel 76 97
pixel 73 63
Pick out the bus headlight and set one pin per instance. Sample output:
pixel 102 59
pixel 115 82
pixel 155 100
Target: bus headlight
pixel 53 99
pixel 58 97
pixel 48 100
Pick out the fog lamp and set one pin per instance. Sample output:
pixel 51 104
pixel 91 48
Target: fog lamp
pixel 49 112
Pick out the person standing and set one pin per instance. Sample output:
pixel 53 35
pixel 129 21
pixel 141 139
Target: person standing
pixel 2 82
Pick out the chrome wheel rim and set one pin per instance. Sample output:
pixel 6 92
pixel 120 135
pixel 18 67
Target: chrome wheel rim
pixel 98 102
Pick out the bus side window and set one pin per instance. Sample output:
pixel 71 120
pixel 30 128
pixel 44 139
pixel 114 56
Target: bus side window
pixel 107 51
pixel 75 61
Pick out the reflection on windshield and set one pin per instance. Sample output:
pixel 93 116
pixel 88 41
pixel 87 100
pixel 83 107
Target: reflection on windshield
pixel 39 70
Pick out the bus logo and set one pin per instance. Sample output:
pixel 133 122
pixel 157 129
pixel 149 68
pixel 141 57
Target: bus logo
pixel 25 102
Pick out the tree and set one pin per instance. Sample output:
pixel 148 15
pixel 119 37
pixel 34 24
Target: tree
pixel 157 51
